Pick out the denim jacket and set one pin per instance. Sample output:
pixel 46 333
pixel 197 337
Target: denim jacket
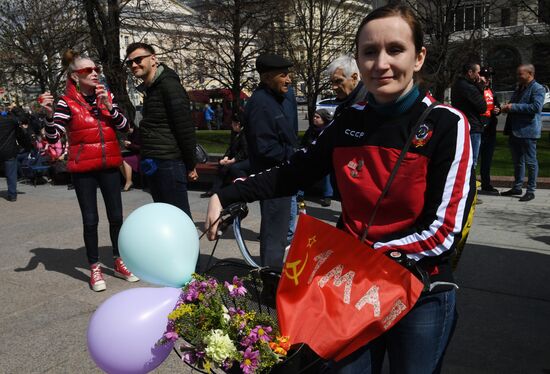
pixel 524 118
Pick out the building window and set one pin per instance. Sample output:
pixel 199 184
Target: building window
pixel 470 17
pixel 126 40
pixel 504 60
pixel 544 11
pixel 505 17
pixel 459 19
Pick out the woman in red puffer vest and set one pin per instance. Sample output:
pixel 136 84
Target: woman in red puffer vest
pixel 88 115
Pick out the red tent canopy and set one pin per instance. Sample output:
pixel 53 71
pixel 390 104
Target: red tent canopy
pixel 205 96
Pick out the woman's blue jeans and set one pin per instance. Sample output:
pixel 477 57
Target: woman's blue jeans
pixel 416 344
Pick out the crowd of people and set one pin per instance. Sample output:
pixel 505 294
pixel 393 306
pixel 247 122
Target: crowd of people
pixel 472 94
pixel 366 154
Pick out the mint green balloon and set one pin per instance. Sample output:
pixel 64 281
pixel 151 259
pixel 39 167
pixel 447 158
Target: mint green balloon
pixel 160 244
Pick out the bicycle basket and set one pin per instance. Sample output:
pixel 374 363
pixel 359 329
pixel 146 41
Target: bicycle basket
pixel 261 284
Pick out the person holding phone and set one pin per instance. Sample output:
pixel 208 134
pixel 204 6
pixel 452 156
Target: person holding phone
pixel 88 115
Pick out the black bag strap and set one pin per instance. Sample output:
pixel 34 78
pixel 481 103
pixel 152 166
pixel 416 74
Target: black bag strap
pixel 404 151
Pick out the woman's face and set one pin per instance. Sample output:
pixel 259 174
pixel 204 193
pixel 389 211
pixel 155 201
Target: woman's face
pixel 86 73
pixel 387 59
pixel 317 120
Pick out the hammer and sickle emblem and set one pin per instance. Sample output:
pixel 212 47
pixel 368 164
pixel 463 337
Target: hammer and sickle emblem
pixel 296 271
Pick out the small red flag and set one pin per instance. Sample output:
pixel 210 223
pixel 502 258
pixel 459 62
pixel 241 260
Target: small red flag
pixel 336 294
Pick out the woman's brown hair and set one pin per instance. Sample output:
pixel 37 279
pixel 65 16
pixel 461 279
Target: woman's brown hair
pixel 68 59
pixel 394 10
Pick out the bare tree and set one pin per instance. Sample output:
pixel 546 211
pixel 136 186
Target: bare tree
pixel 225 40
pixel 454 36
pixel 104 22
pixel 314 33
pixel 539 11
pixel 164 25
pixel 33 35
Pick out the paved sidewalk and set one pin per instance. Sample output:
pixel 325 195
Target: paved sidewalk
pixel 45 303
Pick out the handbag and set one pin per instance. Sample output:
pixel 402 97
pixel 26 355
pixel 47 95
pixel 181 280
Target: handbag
pixel 201 156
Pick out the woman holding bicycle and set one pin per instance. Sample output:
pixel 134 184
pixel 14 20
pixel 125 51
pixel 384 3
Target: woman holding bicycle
pixel 89 116
pixel 424 209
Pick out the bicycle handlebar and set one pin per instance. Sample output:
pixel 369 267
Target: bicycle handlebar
pixel 228 215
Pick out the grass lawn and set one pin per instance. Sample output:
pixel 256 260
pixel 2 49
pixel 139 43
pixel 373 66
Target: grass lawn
pixel 502 160
pixel 216 141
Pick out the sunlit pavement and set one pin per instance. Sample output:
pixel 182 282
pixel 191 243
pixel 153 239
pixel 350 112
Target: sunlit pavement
pixel 45 302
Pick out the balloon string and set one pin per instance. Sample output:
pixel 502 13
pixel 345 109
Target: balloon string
pixel 215 244
pixel 209 227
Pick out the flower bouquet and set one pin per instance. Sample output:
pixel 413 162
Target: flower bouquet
pixel 221 329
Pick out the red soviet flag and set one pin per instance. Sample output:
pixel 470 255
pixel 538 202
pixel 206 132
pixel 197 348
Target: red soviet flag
pixel 336 294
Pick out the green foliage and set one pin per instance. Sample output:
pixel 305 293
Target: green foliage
pixel 502 160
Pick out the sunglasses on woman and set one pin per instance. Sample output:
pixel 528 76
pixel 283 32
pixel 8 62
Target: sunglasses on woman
pixel 88 70
pixel 137 60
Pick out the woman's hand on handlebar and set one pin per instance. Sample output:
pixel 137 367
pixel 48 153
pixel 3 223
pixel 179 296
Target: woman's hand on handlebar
pixel 212 214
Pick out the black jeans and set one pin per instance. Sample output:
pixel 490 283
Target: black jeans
pixel 239 169
pixel 169 184
pixel 85 186
pixel 488 143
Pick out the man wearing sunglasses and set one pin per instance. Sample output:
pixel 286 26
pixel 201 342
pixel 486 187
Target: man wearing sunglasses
pixel 167 132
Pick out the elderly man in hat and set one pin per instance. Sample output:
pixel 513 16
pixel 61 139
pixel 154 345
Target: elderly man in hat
pixel 271 139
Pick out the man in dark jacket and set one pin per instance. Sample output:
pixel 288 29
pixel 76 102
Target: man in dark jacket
pixel 467 96
pixel 10 135
pixel 349 90
pixel 271 139
pixel 345 82
pixel 167 132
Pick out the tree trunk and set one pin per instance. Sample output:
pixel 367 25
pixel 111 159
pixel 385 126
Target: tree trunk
pixel 105 35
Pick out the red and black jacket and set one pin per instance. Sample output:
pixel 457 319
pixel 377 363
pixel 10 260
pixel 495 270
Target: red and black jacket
pixel 93 143
pixel 428 203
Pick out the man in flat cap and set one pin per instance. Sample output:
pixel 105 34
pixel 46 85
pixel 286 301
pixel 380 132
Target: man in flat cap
pixel 269 119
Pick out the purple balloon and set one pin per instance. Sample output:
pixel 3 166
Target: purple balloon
pixel 124 330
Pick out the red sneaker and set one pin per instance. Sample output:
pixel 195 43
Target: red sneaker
pixel 121 271
pixel 96 278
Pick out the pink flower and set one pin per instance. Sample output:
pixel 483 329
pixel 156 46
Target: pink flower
pixel 171 336
pixel 236 288
pixel 189 357
pixel 250 361
pixel 235 311
pixel 261 333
